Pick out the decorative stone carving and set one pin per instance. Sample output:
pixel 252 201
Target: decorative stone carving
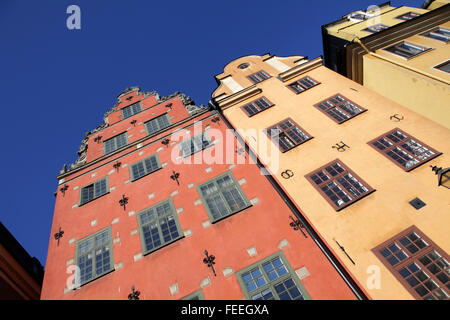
pixel 189 104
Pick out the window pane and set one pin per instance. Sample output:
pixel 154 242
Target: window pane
pixel 159 225
pixel 223 196
pixel 87 194
pixel 444 66
pixel 93 256
pixel 404 150
pixel 406 49
pixel 157 124
pixel 303 84
pixel 137 170
pixel 194 144
pixel 131 110
pixel 115 143
pixel 100 188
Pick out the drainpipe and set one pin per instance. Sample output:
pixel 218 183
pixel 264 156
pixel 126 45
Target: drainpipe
pixel 354 287
pixel 358 41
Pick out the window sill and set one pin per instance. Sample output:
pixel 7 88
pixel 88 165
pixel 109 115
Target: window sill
pixel 84 203
pixel 133 180
pixel 93 279
pixel 163 246
pixel 211 144
pixel 229 215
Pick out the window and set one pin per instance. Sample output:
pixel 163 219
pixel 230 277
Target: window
pixel 94 255
pixel 444 66
pixel 257 106
pixel 243 66
pixel 303 84
pixel 376 28
pixel 339 108
pixel 144 167
pixel 406 49
pixel 440 33
pixel 287 134
pixel 358 16
pixel 403 149
pixel 115 143
pixel 157 124
pixel 339 185
pixel 222 197
pixel 198 295
pixel 408 16
pixel 259 76
pixel 420 265
pixel 159 226
pixel 271 279
pixel 131 110
pixel 94 190
pixel 194 144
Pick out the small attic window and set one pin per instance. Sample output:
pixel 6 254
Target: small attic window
pixel 243 65
pixel 357 16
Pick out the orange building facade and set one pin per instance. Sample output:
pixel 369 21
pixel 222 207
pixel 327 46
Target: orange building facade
pixel 161 187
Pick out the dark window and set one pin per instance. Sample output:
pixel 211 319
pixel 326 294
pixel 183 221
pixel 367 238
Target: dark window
pixel 403 149
pixel 131 110
pixel 194 144
pixel 376 28
pixel 159 226
pixel 94 255
pixel 444 66
pixel 115 143
pixel 287 134
pixel 157 124
pixel 94 190
pixel 419 264
pixel 440 33
pixel 271 279
pixel 358 16
pixel 198 295
pixel 408 16
pixel 406 49
pixel 144 167
pixel 222 196
pixel 259 76
pixel 303 84
pixel 257 106
pixel 339 108
pixel 338 184
pixel 243 66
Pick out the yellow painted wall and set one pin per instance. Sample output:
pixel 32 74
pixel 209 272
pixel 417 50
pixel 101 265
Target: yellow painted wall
pixel 437 4
pixel 372 220
pixel 348 30
pixel 254 61
pixel 413 82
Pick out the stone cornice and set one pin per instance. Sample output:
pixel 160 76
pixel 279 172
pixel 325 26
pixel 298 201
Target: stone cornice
pixel 201 111
pixel 300 69
pixel 226 102
pixel 188 103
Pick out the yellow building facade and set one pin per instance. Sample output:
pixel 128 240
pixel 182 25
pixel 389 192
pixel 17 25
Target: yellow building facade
pixel 402 53
pixel 355 163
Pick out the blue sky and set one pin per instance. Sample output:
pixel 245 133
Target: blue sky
pixel 56 84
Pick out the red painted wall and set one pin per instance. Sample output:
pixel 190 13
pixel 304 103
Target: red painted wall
pixel 263 225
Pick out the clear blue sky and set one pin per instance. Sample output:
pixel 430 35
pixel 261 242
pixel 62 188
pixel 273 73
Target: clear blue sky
pixel 56 84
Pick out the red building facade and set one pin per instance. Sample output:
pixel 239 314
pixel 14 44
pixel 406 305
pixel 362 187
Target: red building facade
pixel 138 210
